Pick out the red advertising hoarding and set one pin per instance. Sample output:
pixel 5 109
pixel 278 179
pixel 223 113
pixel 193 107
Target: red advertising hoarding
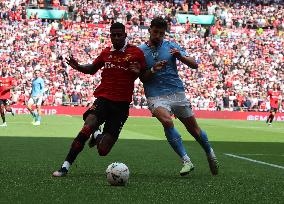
pixel 68 110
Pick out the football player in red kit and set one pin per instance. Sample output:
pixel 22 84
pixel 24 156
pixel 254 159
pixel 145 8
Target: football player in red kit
pixel 6 84
pixel 274 95
pixel 122 65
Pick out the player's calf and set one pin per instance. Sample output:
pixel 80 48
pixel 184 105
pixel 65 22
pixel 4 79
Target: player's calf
pixel 106 143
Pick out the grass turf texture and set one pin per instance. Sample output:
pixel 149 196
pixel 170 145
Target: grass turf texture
pixel 29 155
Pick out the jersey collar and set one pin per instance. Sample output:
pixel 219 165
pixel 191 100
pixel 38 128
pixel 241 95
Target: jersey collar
pixel 152 46
pixel 123 48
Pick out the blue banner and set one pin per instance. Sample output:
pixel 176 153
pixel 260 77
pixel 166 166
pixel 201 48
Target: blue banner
pixel 46 13
pixel 196 19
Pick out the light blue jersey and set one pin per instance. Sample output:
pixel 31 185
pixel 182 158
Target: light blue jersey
pixel 166 81
pixel 37 87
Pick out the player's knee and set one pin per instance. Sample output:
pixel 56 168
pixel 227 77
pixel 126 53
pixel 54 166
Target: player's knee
pixel 103 151
pixel 87 130
pixel 106 143
pixel 167 122
pixel 91 121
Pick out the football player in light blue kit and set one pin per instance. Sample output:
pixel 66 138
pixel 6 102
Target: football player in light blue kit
pixel 166 95
pixel 36 97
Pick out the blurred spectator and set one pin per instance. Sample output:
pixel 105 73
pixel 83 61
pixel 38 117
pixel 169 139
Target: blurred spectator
pixel 75 98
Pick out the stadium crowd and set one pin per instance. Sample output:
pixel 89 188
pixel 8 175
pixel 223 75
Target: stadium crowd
pixel 239 57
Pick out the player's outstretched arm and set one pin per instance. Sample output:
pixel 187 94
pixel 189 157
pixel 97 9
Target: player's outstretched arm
pixel 189 61
pixel 147 75
pixel 86 68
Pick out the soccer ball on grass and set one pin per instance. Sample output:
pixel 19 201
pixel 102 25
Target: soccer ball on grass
pixel 117 174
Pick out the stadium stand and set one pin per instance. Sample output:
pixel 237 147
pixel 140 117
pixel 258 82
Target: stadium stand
pixel 240 53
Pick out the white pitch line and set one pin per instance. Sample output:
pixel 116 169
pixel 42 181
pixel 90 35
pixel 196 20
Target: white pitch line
pixel 68 115
pixel 262 155
pixel 256 161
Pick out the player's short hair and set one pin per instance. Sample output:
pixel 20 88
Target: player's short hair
pixel 117 25
pixel 159 22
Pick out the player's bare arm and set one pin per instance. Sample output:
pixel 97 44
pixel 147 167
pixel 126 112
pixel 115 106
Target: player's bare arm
pixel 135 67
pixel 86 68
pixel 189 61
pixel 147 75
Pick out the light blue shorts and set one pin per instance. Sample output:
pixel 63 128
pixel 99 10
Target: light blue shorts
pixel 176 104
pixel 35 100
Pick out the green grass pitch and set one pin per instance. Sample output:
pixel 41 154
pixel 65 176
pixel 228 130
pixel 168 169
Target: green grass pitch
pixel 29 155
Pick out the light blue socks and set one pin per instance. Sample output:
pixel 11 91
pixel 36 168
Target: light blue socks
pixel 175 141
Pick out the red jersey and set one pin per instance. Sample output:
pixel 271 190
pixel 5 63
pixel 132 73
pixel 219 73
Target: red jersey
pixel 117 82
pixel 211 104
pixel 262 106
pixel 5 85
pixel 274 98
pixel 50 99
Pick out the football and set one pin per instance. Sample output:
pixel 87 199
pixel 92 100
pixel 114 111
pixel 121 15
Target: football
pixel 117 174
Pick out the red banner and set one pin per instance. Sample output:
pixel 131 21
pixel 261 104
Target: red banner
pixel 229 115
pixel 68 110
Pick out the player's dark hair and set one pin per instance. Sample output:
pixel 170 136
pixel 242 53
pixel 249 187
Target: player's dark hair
pixel 159 22
pixel 117 25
